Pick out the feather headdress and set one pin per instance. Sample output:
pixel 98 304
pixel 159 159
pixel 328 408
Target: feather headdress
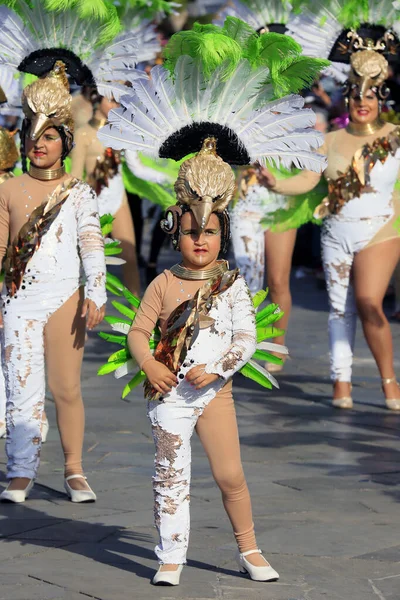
pixel 227 84
pixel 139 17
pixel 337 29
pixel 34 37
pixel 10 93
pixel 260 15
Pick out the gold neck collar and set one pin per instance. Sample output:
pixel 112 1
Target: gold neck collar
pixel 97 123
pixel 365 128
pixel 46 174
pixel 183 273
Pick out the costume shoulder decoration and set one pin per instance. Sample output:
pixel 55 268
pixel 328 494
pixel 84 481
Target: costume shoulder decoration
pixel 121 363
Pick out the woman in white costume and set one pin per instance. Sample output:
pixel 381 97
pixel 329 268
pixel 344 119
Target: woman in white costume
pixel 50 223
pixel 360 245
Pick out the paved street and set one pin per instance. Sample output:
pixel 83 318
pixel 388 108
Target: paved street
pixel 325 487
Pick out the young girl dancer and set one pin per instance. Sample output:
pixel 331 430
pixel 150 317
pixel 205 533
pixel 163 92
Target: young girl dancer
pixel 209 311
pixel 51 225
pixel 205 312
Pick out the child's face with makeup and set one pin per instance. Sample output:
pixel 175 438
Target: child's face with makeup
pixel 46 151
pixel 199 250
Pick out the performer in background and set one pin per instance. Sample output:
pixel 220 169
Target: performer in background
pixel 360 245
pixel 50 223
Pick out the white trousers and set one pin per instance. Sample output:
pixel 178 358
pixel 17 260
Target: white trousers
pixel 248 244
pixel 173 424
pixel 25 316
pixel 2 391
pixel 341 240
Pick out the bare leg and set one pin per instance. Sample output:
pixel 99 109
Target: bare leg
pixel 372 270
pixel 396 278
pixel 278 258
pixel 64 345
pixel 124 232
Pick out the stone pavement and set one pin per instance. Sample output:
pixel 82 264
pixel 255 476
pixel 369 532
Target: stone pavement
pixel 324 484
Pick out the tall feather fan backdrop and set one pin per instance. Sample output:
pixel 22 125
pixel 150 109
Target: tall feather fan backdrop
pixel 229 82
pixel 33 37
pixel 317 26
pixel 140 17
pixel 259 14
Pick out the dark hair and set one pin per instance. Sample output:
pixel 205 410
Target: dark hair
pixel 67 139
pixel 223 217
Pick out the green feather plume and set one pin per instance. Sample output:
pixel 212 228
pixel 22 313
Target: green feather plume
pixel 146 189
pixel 298 74
pixel 134 382
pixel 300 210
pixel 239 31
pixel 208 44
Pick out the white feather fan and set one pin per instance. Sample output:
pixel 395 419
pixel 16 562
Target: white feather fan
pixel 279 130
pixel 111 65
pixel 257 13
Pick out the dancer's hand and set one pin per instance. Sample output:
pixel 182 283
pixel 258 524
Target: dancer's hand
pixel 159 376
pixel 265 177
pixel 1 321
pixel 93 314
pixel 198 377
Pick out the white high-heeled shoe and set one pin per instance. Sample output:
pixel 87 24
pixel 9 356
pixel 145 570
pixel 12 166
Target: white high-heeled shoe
pixel 16 496
pixel 79 495
pixel 392 403
pixel 266 573
pixel 345 402
pixel 167 577
pixel 45 430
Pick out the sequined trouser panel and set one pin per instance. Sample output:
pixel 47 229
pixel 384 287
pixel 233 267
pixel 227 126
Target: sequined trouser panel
pixel 2 395
pixel 341 240
pixel 25 316
pixel 172 428
pixel 248 245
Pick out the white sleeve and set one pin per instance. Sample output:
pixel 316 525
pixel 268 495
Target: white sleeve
pixel 244 335
pixel 91 244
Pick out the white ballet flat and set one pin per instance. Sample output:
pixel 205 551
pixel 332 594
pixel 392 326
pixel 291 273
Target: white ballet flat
pixel 45 430
pixel 3 431
pixel 266 573
pixel 79 495
pixel 16 496
pixel 167 577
